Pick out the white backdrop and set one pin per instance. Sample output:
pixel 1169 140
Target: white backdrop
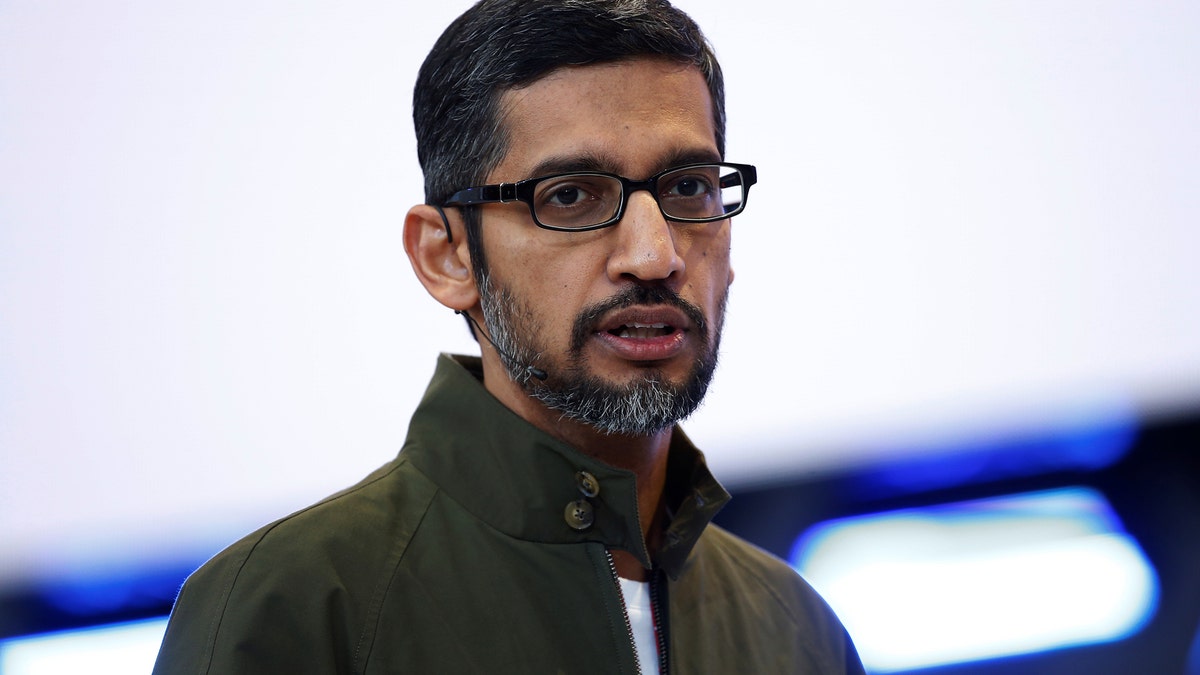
pixel 972 216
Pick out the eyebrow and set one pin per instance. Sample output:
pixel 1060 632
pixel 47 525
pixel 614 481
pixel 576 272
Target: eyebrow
pixel 571 164
pixel 604 164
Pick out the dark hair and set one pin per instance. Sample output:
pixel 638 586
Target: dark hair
pixel 498 45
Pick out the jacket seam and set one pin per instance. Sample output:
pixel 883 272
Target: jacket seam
pixel 227 591
pixel 771 590
pixel 371 623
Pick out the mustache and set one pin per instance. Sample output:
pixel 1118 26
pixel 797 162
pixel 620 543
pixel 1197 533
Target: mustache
pixel 586 320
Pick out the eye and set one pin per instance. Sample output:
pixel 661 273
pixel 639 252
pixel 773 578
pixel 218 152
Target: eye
pixel 576 200
pixel 691 193
pixel 576 191
pixel 690 186
pixel 566 195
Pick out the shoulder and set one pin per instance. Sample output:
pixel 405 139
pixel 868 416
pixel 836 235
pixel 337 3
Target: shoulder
pixel 750 568
pixel 308 580
pixel 761 597
pixel 753 610
pixel 348 527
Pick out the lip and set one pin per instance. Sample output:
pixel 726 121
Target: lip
pixel 653 348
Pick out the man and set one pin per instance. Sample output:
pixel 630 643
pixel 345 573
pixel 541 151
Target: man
pixel 545 515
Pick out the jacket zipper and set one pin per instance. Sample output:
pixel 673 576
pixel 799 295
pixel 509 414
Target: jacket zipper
pixel 660 620
pixel 612 567
pixel 655 612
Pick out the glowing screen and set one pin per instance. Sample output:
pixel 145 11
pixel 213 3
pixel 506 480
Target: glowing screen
pixel 117 649
pixel 981 579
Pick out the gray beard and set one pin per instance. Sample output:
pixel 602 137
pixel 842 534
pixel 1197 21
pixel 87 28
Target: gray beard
pixel 642 407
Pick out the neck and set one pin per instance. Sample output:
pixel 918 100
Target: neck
pixel 645 456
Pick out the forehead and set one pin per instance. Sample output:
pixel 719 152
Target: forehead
pixel 633 117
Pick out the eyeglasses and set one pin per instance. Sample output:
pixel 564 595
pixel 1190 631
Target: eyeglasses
pixel 590 200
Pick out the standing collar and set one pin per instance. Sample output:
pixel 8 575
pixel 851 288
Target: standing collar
pixel 523 482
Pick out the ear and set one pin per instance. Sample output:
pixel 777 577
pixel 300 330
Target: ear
pixel 442 262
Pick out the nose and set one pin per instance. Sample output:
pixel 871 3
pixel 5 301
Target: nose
pixel 646 247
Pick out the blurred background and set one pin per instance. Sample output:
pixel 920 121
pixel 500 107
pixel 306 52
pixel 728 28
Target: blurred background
pixel 960 381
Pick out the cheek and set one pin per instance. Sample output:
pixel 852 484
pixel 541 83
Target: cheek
pixel 563 280
pixel 554 286
pixel 709 269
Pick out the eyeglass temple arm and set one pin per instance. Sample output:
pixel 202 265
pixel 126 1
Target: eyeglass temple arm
pixel 745 175
pixel 485 194
pixel 445 223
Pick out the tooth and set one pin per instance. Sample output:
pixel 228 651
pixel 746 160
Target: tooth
pixel 639 330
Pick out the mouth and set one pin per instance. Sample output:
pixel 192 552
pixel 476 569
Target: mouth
pixel 642 331
pixel 645 324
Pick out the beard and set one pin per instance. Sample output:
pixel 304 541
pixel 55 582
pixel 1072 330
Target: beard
pixel 646 405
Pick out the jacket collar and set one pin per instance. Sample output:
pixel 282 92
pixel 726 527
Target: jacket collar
pixel 521 481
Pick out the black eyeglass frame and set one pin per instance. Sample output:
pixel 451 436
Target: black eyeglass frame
pixel 523 191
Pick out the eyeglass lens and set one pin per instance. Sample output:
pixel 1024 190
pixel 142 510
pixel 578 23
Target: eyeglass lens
pixel 691 193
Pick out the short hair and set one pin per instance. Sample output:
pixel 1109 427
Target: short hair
pixel 499 45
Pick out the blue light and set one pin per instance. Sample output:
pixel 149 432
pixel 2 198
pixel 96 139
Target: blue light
pixel 1193 667
pixel 1088 440
pixel 974 580
pixel 114 649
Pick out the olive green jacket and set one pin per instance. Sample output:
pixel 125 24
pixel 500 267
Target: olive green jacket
pixel 463 555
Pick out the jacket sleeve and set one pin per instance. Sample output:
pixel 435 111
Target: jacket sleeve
pixel 303 594
pixel 245 612
pixel 737 608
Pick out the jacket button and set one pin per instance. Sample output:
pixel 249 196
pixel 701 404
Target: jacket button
pixel 579 514
pixel 588 485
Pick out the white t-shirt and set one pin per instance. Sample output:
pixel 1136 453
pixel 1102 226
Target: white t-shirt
pixel 641 621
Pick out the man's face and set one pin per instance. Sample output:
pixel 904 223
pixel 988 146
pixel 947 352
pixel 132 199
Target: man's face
pixel 625 320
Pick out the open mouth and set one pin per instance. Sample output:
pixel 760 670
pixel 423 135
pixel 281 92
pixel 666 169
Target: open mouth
pixel 642 331
pixel 655 333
